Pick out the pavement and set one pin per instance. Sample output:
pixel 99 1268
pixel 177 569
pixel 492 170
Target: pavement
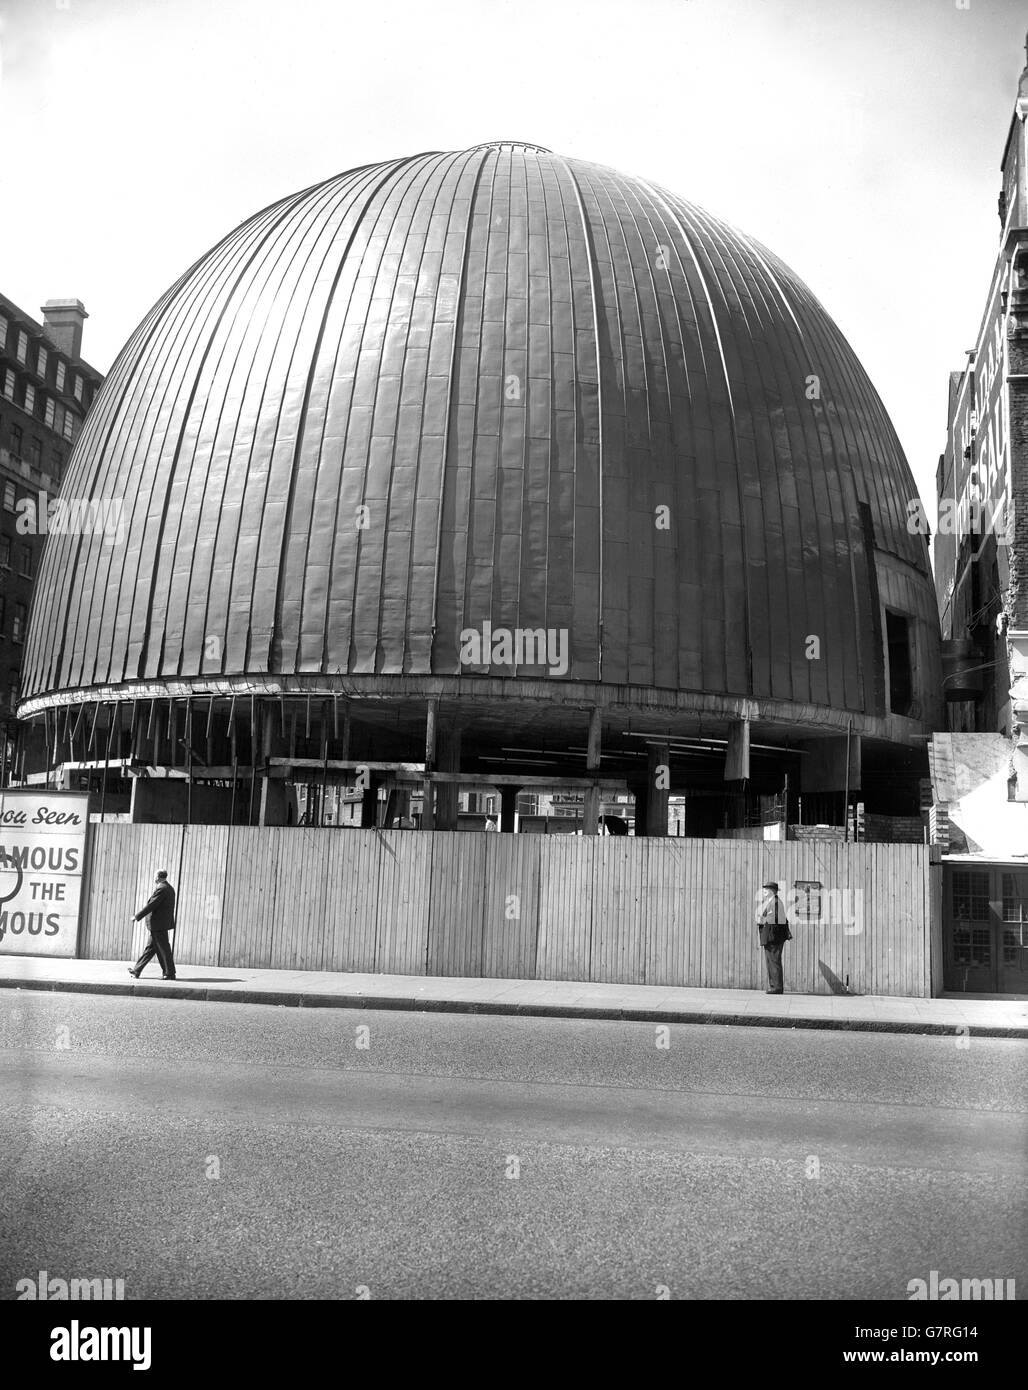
pixel 996 1017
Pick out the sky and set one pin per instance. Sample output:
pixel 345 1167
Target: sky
pixel 859 139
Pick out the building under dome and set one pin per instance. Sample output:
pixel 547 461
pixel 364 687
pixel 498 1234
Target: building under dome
pixel 488 468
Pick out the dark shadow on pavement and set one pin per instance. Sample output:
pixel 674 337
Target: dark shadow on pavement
pixel 832 980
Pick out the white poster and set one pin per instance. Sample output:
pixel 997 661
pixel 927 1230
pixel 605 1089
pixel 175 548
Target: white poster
pixel 42 857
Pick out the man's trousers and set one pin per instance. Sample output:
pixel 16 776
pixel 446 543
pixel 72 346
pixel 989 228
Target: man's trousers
pixel 159 945
pixel 775 976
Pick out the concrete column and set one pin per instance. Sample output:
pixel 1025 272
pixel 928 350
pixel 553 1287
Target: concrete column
pixel 369 803
pixel 274 802
pixel 428 798
pixel 272 805
pixel 591 809
pixel 447 793
pixel 659 779
pixel 508 806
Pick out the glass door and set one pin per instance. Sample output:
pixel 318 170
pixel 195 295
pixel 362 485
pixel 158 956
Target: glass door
pixel 968 959
pixel 1013 927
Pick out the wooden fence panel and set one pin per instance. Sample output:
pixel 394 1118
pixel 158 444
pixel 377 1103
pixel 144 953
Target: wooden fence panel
pixel 250 896
pixel 157 847
pixel 618 951
pixel 456 904
pixel 662 893
pixel 110 892
pixel 510 910
pixel 566 882
pixel 667 912
pixel 731 870
pixel 199 906
pixel 298 940
pixel 404 885
pixel 352 901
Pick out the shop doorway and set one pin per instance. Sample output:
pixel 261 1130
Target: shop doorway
pixel 985 931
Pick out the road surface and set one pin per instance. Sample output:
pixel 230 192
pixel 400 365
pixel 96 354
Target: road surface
pixel 201 1150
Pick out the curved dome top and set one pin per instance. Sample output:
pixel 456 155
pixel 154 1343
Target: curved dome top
pixel 498 386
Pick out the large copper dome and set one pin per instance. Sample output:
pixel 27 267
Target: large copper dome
pixel 565 399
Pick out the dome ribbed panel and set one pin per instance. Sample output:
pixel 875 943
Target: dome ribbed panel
pixel 460 388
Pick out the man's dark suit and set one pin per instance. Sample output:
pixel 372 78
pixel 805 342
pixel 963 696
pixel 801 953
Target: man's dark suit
pixel 161 910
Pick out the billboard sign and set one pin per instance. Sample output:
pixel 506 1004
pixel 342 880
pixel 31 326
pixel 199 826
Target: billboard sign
pixel 42 857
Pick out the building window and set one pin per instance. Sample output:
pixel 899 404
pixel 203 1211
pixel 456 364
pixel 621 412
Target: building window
pixel 3 613
pixel 5 552
pixel 16 441
pixel 901 685
pixel 25 557
pixel 1015 904
pixel 9 384
pixel 68 425
pixel 48 411
pixel 78 387
pixel 23 348
pixel 972 946
pixel 3 331
pixel 41 362
pixel 18 624
pixel 35 452
pixel 970 896
pixel 30 398
pixel 60 375
pixel 56 462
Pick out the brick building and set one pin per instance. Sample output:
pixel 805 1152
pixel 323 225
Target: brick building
pixel 980 766
pixel 45 390
pixel 981 541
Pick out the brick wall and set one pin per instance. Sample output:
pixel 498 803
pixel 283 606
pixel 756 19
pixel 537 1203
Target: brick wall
pixel 1017 354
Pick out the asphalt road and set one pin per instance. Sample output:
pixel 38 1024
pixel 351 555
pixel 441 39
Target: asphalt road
pixel 246 1151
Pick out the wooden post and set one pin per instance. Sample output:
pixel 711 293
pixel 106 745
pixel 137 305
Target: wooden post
pixel 235 758
pixel 107 762
pixel 253 756
pixel 265 779
pixel 210 733
pixel 189 759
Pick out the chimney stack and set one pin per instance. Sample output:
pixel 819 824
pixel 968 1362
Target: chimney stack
pixel 62 321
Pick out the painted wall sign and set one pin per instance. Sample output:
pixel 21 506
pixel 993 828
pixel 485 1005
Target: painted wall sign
pixel 42 857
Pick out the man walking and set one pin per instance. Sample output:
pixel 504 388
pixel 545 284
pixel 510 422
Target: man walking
pixel 774 933
pixel 160 908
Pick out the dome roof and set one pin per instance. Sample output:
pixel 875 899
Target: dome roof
pixel 491 386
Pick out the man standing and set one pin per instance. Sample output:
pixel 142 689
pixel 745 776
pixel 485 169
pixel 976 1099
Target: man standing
pixel 774 933
pixel 160 908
